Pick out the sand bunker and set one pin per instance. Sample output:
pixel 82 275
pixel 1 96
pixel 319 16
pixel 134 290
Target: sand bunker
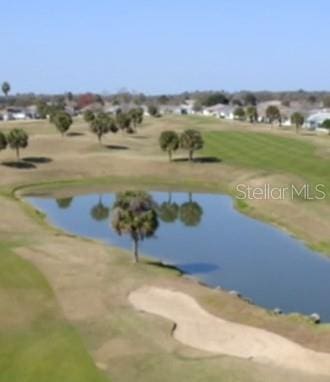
pixel 199 329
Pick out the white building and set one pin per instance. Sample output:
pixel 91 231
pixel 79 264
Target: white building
pixel 315 121
pixel 220 111
pixel 15 114
pixel 183 109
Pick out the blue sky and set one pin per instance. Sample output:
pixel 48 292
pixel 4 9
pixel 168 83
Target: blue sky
pixel 164 46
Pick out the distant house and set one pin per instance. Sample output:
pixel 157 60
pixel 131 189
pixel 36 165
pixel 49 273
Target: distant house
pixel 169 109
pixel 262 111
pixel 315 121
pixel 71 110
pixel 220 111
pixel 32 112
pixel 20 113
pixel 123 107
pixel 285 110
pixel 95 107
pixel 145 110
pixel 183 109
pixel 15 114
pixel 188 107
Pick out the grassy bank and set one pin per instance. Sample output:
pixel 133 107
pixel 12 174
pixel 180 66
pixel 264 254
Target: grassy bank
pixel 36 342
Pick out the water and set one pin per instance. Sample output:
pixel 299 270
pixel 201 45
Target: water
pixel 215 243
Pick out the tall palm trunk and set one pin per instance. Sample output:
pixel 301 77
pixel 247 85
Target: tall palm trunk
pixel 136 249
pixel 17 153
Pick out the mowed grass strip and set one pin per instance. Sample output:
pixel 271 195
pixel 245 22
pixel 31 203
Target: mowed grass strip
pixel 269 152
pixel 36 343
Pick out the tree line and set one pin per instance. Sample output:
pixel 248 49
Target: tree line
pixel 203 98
pixel 100 123
pixel 273 114
pixel 103 123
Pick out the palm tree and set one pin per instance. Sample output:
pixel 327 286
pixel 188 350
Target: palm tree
pixel 134 213
pixel 136 116
pixel 191 140
pixel 139 113
pixel 62 121
pixel 239 113
pixel 102 124
pixel 3 141
pixel 5 88
pixel 298 120
pixel 124 121
pixel 273 114
pixel 153 110
pixel 169 141
pixel 252 114
pixel 18 139
pixel 89 116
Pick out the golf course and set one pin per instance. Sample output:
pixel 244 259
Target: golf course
pixel 72 308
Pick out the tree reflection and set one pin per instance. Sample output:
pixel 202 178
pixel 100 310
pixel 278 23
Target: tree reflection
pixel 168 212
pixel 191 213
pixel 64 203
pixel 100 212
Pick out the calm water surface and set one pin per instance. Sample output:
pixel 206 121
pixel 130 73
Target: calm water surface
pixel 205 236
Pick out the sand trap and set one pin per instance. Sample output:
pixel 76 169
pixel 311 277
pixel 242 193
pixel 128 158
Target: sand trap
pixel 201 330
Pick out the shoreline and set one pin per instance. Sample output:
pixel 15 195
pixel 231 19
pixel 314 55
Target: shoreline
pixel 65 187
pixel 155 261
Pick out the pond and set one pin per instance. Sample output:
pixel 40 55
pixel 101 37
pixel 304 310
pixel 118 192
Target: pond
pixel 203 235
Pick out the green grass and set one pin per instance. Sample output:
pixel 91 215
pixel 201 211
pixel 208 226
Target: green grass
pixel 36 343
pixel 271 153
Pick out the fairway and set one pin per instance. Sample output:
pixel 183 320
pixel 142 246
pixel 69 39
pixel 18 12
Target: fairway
pixel 36 342
pixel 271 153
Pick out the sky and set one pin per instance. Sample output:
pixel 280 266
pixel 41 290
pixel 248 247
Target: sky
pixel 162 47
